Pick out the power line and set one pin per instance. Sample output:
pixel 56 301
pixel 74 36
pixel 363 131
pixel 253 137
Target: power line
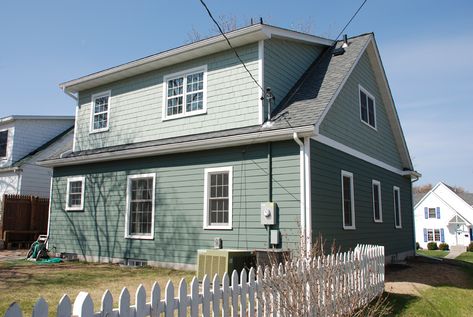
pixel 354 15
pixel 229 44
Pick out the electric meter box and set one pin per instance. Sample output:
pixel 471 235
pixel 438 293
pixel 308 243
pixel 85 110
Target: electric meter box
pixel 268 213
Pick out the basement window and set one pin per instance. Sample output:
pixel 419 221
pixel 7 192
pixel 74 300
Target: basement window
pixel 348 201
pixel 100 115
pixel 367 108
pixel 185 93
pixel 3 143
pixel 75 194
pixel 218 198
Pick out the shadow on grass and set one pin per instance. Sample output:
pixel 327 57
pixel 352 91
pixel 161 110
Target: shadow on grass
pixel 399 302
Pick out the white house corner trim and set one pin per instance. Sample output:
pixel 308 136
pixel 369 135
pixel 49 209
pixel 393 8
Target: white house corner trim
pixel 261 80
pixel 308 194
pixel 48 231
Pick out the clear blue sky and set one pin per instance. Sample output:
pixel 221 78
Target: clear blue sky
pixel 426 47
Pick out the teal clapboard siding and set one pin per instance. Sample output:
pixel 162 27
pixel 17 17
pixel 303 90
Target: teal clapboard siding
pixel 136 102
pixel 327 164
pixel 343 124
pixel 284 64
pixel 99 229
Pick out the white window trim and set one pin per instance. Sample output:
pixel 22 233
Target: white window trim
pixel 352 194
pixel 378 183
pixel 395 188
pixel 435 212
pixel 184 113
pixel 433 235
pixel 75 179
pixel 360 88
pixel 6 145
pixel 107 93
pixel 128 198
pixel 206 224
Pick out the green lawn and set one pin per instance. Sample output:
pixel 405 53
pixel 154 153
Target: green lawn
pixel 466 257
pixel 24 282
pixel 434 253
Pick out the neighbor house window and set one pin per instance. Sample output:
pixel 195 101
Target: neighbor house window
pixel 367 108
pixel 3 143
pixel 100 112
pixel 75 193
pixel 218 198
pixel 140 206
pixel 397 207
pixel 185 93
pixel 432 213
pixel 377 206
pixel 433 235
pixel 348 201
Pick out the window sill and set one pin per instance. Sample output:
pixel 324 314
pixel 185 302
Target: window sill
pixel 378 221
pixel 398 227
pixel 369 125
pixel 75 208
pixel 229 227
pixel 99 130
pixel 140 237
pixel 349 228
pixel 186 115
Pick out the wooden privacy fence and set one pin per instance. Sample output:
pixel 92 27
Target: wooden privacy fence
pixel 332 285
pixel 24 218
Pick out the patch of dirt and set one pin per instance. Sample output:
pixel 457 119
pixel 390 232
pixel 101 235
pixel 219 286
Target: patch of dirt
pixel 8 255
pixel 417 276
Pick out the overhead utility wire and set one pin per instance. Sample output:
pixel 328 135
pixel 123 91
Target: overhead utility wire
pixel 229 44
pixel 354 15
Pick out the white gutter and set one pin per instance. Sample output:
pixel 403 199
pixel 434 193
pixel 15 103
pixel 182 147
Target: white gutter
pixel 189 146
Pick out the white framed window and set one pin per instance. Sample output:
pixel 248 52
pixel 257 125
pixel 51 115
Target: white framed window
pixel 218 192
pixel 100 112
pixel 140 206
pixel 75 193
pixel 367 107
pixel 3 143
pixel 377 204
pixel 432 212
pixel 397 207
pixel 348 200
pixel 185 93
pixel 433 235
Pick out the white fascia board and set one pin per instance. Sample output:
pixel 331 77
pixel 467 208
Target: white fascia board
pixel 247 35
pixel 190 146
pixel 426 195
pixel 23 117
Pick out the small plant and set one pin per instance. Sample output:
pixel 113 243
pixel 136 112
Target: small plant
pixel 417 246
pixel 443 246
pixel 432 246
pixel 470 247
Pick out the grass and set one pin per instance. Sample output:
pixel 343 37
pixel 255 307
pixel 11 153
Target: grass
pixel 24 282
pixel 466 257
pixel 433 253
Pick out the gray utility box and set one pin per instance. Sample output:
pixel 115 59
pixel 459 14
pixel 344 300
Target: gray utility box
pixel 268 213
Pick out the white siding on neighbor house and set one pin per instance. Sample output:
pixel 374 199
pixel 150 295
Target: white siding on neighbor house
pixel 449 205
pixel 11 132
pixel 31 134
pixel 9 182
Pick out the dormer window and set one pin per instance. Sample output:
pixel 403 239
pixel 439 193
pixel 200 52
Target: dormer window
pixel 100 112
pixel 3 143
pixel 185 93
pixel 367 108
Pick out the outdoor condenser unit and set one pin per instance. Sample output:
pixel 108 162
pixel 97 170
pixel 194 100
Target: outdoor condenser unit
pixel 214 261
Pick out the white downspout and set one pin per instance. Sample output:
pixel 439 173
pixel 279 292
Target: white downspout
pixel 308 195
pixel 302 192
pixel 76 98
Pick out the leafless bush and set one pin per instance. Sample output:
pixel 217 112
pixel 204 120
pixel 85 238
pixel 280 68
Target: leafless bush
pixel 318 283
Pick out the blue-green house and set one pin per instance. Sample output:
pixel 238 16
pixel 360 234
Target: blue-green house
pixel 176 149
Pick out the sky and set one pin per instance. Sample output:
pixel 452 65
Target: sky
pixel 426 47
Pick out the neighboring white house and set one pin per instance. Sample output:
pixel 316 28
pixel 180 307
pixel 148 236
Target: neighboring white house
pixel 23 141
pixel 442 215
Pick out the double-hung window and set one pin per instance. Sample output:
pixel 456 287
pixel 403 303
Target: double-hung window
pixel 377 205
pixel 367 108
pixel 432 213
pixel 140 198
pixel 75 193
pixel 3 143
pixel 348 201
pixel 397 207
pixel 100 112
pixel 433 235
pixel 185 93
pixel 218 198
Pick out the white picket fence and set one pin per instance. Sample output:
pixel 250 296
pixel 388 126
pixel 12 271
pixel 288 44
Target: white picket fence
pixel 338 279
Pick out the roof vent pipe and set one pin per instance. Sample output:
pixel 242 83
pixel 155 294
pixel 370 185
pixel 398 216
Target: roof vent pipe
pixel 345 41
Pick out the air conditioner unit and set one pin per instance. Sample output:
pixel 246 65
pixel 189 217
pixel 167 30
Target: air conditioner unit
pixel 211 262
